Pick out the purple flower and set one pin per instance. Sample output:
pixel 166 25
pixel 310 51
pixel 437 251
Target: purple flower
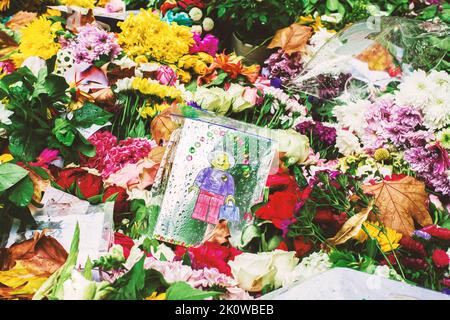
pixel 208 44
pixel 276 83
pixel 92 44
pixel 324 134
pixel 390 123
pixel 422 234
pixel 194 104
pixel 431 164
pixel 283 66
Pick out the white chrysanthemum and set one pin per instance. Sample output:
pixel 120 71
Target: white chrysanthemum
pixel 347 143
pixel 416 89
pixel 5 114
pixel 441 79
pixel 314 264
pixel 437 111
pixel 351 115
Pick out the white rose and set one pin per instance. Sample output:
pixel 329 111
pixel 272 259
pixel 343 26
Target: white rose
pixel 236 94
pixel 293 144
pixel 253 271
pixel 213 99
pixel 208 24
pixel 197 29
pixel 285 263
pixel 196 14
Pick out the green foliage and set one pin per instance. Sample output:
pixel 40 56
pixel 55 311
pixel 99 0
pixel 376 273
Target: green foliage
pixel 183 291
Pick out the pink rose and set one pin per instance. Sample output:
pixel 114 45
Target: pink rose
pixel 165 75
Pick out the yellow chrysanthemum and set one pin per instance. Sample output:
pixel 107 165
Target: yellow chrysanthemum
pixel 145 34
pixel 151 110
pixel 388 239
pixel 156 296
pixel 38 39
pixel 4 4
pixel 151 87
pixel 79 3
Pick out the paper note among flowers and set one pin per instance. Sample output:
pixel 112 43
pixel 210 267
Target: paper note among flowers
pixel 212 172
pixel 59 216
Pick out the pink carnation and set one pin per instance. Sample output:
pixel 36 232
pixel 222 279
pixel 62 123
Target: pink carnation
pixel 208 44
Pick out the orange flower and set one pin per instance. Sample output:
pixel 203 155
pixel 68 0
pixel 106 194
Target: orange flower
pixel 232 64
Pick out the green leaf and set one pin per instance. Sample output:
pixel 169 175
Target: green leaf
pixel 10 174
pixel 138 283
pixel 26 145
pixel 87 272
pixel 90 114
pixel 249 233
pixel 183 291
pixel 66 269
pixel 332 5
pixel 22 193
pixel 64 132
pixel 40 172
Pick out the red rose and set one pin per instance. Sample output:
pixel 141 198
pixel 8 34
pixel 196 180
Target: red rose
pixel 446 282
pixel 440 258
pixel 126 242
pixel 279 209
pixel 90 185
pixel 301 246
pixel 212 255
pixel 68 176
pixel 121 205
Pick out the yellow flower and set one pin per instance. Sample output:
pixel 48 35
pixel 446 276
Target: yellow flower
pixel 141 59
pixel 53 13
pixel 381 154
pixel 6 157
pixel 152 87
pixel 151 110
pixel 156 296
pixel 184 76
pixel 38 39
pixel 200 68
pixel 388 239
pixel 145 34
pixel 79 3
pixel 4 4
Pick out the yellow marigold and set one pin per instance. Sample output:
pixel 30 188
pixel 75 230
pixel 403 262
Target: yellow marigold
pixel 388 239
pixel 151 87
pixel 38 39
pixel 145 34
pixel 79 3
pixel 4 4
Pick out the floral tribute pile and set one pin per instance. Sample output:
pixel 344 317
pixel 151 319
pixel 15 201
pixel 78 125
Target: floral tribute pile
pixel 364 181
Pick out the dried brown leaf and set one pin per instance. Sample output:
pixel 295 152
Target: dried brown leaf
pixel 400 202
pixel 163 126
pixel 291 39
pixel 351 227
pixel 20 20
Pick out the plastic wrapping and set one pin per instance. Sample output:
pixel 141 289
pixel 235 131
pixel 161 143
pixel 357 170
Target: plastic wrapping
pixel 59 216
pixel 369 55
pixel 213 168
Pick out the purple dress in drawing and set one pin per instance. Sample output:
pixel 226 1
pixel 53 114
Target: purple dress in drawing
pixel 215 186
